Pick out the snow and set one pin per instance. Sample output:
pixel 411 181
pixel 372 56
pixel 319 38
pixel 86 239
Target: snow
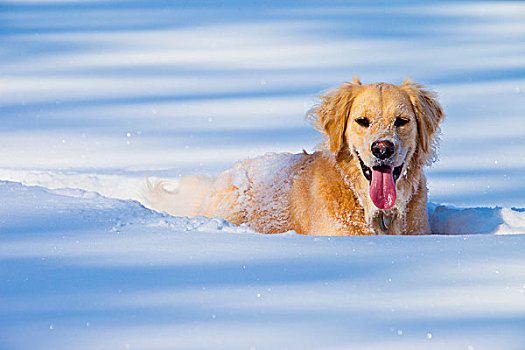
pixel 95 96
pixel 88 272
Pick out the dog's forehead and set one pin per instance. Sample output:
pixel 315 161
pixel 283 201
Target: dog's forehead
pixel 381 99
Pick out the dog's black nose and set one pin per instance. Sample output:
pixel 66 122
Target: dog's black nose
pixel 383 149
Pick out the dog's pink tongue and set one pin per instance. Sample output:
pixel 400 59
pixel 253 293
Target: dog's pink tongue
pixel 382 188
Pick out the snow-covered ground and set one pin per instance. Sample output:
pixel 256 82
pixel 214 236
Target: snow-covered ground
pixel 95 95
pixel 80 271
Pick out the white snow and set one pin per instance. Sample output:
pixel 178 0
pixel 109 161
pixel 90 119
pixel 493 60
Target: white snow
pixel 96 95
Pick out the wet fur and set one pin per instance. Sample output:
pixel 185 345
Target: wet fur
pixel 326 193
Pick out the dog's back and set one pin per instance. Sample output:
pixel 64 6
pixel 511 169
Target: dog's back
pixel 255 192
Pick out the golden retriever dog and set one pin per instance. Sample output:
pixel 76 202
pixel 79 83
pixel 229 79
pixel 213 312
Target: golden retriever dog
pixel 366 179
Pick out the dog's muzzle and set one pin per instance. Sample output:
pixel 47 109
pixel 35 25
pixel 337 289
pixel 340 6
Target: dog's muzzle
pixel 382 180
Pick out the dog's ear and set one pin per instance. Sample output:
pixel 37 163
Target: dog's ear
pixel 331 116
pixel 429 113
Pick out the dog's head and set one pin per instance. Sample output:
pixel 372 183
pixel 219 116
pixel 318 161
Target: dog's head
pixel 385 131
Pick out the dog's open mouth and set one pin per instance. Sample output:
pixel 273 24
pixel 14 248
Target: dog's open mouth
pixel 382 181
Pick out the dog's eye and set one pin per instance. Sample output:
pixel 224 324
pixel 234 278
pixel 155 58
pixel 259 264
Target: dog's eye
pixel 401 121
pixel 363 122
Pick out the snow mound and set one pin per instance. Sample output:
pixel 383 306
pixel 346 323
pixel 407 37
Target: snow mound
pixel 69 209
pixel 450 220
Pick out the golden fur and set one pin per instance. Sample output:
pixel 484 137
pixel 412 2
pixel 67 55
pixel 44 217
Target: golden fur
pixel 326 193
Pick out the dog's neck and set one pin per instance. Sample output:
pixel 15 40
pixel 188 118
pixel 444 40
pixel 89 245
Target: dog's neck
pixel 381 221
